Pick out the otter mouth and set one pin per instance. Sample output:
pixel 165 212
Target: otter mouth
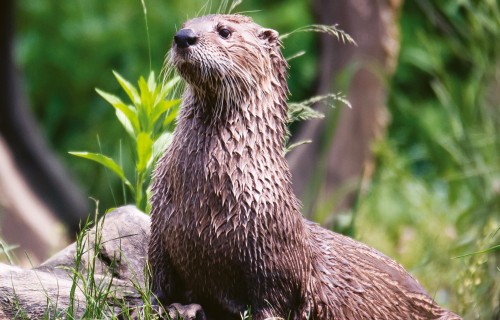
pixel 183 61
pixel 182 52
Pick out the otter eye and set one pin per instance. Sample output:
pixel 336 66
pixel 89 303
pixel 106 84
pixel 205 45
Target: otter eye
pixel 224 33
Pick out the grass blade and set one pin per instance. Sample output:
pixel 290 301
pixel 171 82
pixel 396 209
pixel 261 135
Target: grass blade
pixel 107 162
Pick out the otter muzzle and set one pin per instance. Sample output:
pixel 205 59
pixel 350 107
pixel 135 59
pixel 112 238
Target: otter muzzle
pixel 185 38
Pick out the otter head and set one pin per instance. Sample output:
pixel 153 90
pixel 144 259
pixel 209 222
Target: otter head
pixel 228 58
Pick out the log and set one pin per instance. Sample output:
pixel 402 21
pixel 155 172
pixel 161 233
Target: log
pixel 115 248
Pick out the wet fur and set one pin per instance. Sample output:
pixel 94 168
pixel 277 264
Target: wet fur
pixel 226 229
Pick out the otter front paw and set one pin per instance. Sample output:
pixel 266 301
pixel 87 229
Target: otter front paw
pixel 185 312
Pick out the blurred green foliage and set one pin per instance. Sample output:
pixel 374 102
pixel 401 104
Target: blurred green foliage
pixel 436 192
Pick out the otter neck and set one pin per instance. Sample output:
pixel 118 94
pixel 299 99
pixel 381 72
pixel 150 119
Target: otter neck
pixel 237 158
pixel 248 119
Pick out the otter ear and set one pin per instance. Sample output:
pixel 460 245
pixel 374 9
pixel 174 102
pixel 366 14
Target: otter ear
pixel 270 35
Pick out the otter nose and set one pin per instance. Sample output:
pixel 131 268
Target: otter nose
pixel 185 38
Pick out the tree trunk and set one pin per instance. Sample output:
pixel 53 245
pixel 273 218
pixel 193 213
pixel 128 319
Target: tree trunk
pixel 373 25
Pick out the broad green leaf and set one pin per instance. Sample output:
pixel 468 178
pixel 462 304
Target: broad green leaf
pixel 144 151
pixel 145 95
pixel 106 162
pixel 125 123
pixel 151 82
pixel 145 107
pixel 128 88
pixel 160 95
pixel 161 144
pixel 167 87
pixel 119 105
pixel 171 116
pixel 162 107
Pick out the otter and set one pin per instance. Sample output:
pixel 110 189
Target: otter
pixel 226 229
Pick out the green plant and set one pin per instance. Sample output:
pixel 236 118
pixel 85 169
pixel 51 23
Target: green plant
pixel 148 121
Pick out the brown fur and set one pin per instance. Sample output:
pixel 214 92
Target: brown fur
pixel 226 229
